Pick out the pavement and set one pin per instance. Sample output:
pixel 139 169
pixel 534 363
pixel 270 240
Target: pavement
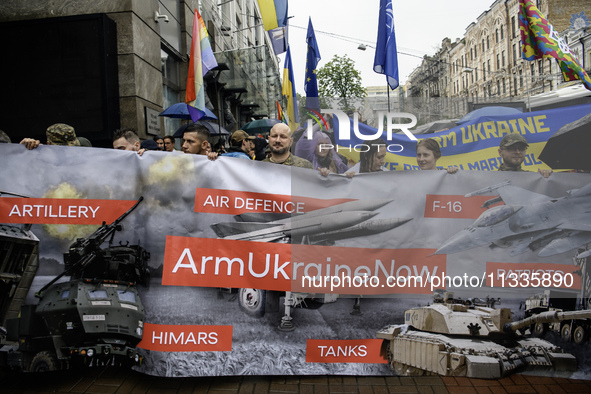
pixel 118 380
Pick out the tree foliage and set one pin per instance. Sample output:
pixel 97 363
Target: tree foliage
pixel 339 78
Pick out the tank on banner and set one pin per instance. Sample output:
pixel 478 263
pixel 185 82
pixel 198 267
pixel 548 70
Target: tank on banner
pixel 90 314
pixel 562 312
pixel 467 338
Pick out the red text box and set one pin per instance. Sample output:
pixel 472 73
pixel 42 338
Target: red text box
pixel 524 275
pixel 61 210
pixel 455 206
pixel 206 262
pixel 345 351
pixel 186 338
pixel 232 202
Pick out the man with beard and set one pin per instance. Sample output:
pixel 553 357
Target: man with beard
pixel 512 151
pixel 280 141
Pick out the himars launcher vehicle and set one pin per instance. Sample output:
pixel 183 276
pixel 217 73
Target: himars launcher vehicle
pixel 95 317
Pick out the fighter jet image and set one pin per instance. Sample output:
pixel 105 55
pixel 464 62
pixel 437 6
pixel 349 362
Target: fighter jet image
pixel 325 225
pixel 528 221
pixel 321 226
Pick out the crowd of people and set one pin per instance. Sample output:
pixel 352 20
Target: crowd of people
pixel 317 153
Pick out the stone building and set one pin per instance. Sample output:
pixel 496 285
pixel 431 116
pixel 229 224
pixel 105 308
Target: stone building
pixel 485 66
pixel 106 64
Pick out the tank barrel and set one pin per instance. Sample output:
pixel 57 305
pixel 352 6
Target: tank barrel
pixel 546 317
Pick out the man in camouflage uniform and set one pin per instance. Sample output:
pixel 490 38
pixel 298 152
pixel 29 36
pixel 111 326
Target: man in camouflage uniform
pixel 57 134
pixel 280 141
pixel 512 151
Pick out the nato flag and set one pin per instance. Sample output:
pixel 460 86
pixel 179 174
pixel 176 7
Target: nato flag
pixel 386 60
pixel 312 59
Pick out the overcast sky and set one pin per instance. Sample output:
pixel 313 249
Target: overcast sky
pixel 420 26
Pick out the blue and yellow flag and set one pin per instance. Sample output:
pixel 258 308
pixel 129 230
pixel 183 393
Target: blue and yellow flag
pixel 289 92
pixel 312 59
pixel 540 40
pixel 274 13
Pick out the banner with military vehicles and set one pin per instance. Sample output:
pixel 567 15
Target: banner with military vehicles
pixel 189 267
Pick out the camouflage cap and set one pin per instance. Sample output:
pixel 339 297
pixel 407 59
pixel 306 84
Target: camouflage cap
pixel 62 134
pixel 511 139
pixel 241 135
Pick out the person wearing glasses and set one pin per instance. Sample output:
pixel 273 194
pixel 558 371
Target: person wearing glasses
pixel 512 151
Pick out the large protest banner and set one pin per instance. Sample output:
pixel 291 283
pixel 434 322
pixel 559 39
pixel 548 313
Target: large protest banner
pixel 229 239
pixel 471 145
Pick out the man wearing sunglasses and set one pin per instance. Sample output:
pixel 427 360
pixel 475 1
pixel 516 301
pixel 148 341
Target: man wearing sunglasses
pixel 512 150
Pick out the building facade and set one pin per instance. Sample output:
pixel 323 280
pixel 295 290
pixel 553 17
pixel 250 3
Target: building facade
pixel 485 66
pixel 104 64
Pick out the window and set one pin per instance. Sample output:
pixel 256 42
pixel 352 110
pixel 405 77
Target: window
pixel 484 71
pixel 170 86
pixel 498 61
pixel 504 87
pixel 95 294
pixel 483 47
pixel 540 67
pixel 503 60
pixel 520 78
pixel 515 86
pixel 502 33
pixel 514 54
pixel 498 88
pixel 513 27
pixel 476 74
pixel 488 66
pixel 487 42
pixel 497 36
pixel 127 296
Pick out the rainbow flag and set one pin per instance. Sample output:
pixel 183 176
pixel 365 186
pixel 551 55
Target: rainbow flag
pixel 279 111
pixel 201 61
pixel 274 13
pixel 288 90
pixel 540 40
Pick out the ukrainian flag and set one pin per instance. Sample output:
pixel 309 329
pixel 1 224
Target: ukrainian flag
pixel 289 92
pixel 274 13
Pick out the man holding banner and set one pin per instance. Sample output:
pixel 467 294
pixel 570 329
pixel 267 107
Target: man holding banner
pixel 512 151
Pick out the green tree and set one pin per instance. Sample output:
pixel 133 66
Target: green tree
pixel 339 79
